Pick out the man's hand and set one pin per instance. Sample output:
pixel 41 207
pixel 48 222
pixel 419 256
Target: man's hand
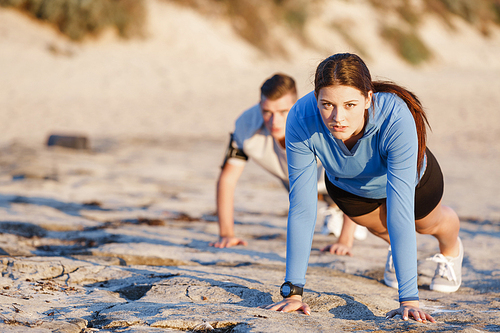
pixel 345 241
pixel 228 242
pixel 338 249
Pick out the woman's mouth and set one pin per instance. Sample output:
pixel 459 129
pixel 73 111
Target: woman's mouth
pixel 339 128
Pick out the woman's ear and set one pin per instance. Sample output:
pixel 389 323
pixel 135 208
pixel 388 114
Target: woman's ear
pixel 369 99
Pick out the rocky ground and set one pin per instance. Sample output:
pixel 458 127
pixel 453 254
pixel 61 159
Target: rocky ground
pixel 115 239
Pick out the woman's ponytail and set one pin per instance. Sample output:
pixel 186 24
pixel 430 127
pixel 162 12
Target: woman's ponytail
pixel 416 110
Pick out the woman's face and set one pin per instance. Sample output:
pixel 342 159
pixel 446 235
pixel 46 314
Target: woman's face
pixel 342 109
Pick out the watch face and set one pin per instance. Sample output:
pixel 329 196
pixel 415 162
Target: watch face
pixel 286 290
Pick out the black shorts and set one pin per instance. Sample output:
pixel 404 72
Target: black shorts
pixel 428 193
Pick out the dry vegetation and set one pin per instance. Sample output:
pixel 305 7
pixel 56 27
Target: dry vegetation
pixel 256 20
pixel 77 19
pixel 482 14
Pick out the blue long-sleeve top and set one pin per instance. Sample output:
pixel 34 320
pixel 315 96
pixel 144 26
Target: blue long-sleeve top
pixel 382 164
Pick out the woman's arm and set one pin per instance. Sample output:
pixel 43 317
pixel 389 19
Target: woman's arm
pixel 303 198
pixel 401 147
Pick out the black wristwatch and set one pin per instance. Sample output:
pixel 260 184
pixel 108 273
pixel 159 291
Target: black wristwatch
pixel 288 289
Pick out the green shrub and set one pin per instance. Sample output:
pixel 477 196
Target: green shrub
pixel 407 44
pixel 77 18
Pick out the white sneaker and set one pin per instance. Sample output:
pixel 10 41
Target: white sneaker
pixel 334 219
pixel 389 272
pixel 448 275
pixel 360 233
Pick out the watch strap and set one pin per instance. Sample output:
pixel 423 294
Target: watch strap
pixel 294 290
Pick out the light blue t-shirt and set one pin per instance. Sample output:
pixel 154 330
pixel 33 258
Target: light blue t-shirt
pixel 382 164
pixel 251 135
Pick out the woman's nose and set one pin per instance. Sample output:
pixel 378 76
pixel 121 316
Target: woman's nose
pixel 337 115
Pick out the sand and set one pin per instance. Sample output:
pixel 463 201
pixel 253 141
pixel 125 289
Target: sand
pixel 115 238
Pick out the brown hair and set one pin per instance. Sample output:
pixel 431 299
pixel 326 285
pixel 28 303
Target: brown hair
pixel 278 86
pixel 350 70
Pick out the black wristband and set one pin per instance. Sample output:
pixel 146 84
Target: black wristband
pixel 232 152
pixel 288 289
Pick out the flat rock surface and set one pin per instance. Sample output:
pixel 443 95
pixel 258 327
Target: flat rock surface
pixel 117 240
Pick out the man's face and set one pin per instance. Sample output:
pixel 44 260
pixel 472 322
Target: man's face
pixel 275 112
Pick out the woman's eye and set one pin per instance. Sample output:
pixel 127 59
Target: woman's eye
pixel 350 105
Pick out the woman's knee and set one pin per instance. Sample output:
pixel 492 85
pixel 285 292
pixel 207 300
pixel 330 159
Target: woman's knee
pixel 442 217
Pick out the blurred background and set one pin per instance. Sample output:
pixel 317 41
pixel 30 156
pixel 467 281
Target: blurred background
pixel 149 70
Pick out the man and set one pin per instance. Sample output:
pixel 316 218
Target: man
pixel 260 134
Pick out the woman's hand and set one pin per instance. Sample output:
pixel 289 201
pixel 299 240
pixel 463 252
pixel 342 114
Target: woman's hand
pixel 338 249
pixel 228 242
pixel 290 304
pixel 411 309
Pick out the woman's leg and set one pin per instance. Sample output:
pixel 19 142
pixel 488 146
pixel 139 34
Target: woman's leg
pixel 375 222
pixel 442 223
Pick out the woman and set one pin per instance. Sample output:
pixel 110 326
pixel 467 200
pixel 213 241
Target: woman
pixel 370 138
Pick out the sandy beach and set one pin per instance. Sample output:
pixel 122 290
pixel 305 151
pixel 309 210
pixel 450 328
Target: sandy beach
pixel 115 238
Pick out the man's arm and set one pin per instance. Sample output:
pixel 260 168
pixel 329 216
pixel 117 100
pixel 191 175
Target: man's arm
pixel 225 205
